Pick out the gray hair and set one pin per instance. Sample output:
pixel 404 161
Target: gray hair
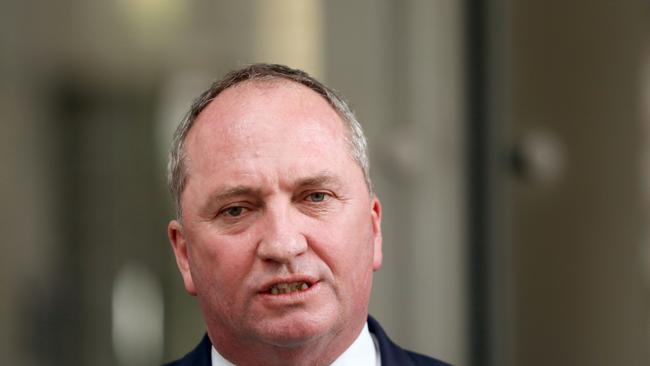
pixel 177 170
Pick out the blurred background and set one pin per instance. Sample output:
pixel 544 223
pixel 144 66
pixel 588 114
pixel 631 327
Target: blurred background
pixel 510 146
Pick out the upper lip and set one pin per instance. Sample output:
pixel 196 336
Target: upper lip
pixel 266 286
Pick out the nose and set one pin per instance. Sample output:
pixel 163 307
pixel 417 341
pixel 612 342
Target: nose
pixel 282 240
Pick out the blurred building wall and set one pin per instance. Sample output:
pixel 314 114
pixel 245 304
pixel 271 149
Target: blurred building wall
pixel 576 213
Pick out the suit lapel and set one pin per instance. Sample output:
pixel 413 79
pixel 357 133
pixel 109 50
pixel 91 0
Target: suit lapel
pixel 391 354
pixel 200 356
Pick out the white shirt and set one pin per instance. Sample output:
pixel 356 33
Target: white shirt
pixel 364 351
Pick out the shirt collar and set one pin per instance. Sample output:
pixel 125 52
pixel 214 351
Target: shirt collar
pixel 362 352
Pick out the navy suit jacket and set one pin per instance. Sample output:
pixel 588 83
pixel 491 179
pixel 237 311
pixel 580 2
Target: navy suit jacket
pixel 391 354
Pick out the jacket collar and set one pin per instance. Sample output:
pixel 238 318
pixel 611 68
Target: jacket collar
pixel 391 354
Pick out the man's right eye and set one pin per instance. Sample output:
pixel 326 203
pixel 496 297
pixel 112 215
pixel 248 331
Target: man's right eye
pixel 233 211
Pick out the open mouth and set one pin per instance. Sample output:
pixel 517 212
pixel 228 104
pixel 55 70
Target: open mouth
pixel 287 288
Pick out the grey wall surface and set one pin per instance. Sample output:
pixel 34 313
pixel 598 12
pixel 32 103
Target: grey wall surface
pixel 577 237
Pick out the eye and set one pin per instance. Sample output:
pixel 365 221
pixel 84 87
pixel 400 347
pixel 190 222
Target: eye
pixel 318 196
pixel 233 211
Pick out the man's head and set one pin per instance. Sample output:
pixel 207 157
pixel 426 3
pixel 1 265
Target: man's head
pixel 177 169
pixel 280 232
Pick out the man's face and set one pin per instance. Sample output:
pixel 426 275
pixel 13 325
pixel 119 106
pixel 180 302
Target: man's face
pixel 280 235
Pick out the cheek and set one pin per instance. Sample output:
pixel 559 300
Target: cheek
pixel 219 264
pixel 221 274
pixel 346 246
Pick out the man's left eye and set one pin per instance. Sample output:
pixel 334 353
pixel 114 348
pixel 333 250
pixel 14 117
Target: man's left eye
pixel 317 196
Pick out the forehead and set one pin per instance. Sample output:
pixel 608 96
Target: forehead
pixel 252 118
pixel 266 104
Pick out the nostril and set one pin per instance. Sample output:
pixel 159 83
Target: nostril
pixel 281 248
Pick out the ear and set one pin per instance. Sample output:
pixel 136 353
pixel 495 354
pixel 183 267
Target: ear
pixel 179 244
pixel 376 228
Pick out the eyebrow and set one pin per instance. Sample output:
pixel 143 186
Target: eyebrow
pixel 322 179
pixel 229 192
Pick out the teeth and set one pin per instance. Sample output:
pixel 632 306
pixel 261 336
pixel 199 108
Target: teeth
pixel 285 288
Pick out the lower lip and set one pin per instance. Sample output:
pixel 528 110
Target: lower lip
pixel 295 296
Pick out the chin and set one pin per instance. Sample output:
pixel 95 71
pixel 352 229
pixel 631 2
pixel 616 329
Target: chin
pixel 293 331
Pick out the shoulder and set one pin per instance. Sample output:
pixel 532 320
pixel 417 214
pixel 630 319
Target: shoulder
pixel 200 356
pixel 392 354
pixel 424 360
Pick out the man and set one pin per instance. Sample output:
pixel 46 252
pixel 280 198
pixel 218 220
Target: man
pixel 278 229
